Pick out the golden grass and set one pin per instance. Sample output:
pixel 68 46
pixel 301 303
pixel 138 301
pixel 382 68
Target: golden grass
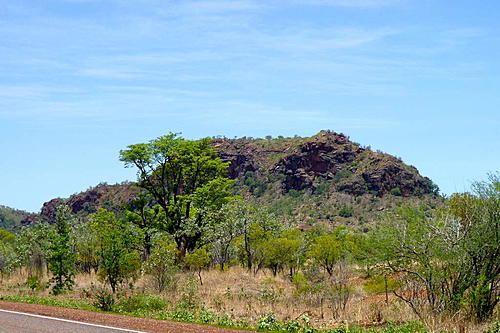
pixel 243 295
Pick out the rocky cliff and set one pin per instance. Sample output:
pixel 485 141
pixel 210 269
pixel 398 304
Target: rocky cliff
pixel 305 163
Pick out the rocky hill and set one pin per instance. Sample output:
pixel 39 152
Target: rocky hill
pixel 325 178
pixel 306 163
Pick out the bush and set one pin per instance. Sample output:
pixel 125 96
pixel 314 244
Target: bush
pixel 396 192
pixel 141 302
pixel 197 260
pixel 161 264
pixel 189 295
pixel 346 211
pixel 495 328
pixel 33 282
pixel 269 322
pixel 104 300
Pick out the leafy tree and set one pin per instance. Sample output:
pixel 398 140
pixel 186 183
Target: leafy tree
pixel 477 218
pixel 325 251
pixel 222 237
pixel 197 260
pixel 396 191
pixel 86 246
pixel 7 254
pixel 161 263
pixel 7 237
pixel 61 257
pixel 186 178
pixel 280 253
pixel 256 225
pixel 411 245
pixel 144 213
pixel 118 242
pixel 30 246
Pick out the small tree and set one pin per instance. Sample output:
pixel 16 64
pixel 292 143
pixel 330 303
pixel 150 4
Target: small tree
pixel 280 253
pixel 161 263
pixel 147 216
pixel 60 257
pixel 119 258
pixel 221 238
pixel 453 256
pixel 325 251
pixel 7 254
pixel 30 246
pixel 197 260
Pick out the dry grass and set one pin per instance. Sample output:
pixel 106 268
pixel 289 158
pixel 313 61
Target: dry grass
pixel 243 295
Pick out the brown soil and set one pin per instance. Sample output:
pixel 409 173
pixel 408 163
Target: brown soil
pixel 142 324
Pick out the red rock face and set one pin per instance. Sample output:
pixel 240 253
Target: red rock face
pixel 320 158
pixel 316 159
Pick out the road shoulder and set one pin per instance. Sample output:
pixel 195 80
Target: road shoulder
pixel 122 321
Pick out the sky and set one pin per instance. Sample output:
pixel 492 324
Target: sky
pixel 82 79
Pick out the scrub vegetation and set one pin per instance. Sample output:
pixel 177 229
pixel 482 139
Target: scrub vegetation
pixel 191 247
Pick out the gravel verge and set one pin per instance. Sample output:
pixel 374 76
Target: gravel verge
pixel 122 321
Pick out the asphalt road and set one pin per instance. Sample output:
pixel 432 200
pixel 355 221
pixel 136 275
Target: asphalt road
pixel 18 322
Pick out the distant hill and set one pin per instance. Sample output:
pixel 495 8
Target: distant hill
pixel 11 218
pixel 325 178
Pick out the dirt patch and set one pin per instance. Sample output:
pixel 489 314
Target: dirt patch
pixel 141 324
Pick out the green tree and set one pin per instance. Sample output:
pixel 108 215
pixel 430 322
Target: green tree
pixel 60 254
pixel 161 263
pixel 280 253
pixel 145 214
pixel 411 244
pixel 86 246
pixel 325 251
pixel 256 225
pixel 197 260
pixel 7 254
pixel 186 178
pixel 477 218
pixel 118 242
pixel 7 237
pixel 30 247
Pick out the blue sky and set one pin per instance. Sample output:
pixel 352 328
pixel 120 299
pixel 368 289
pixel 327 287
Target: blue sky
pixel 82 79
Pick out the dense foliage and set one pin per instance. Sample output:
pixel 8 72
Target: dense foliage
pixel 185 178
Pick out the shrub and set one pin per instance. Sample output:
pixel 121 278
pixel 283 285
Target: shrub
pixel 269 322
pixel 189 295
pixel 104 300
pixel 346 211
pixel 396 192
pixel 197 260
pixel 161 264
pixel 141 302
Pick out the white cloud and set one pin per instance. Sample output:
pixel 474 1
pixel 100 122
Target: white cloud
pixel 350 3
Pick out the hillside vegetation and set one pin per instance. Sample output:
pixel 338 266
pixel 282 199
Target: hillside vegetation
pixel 288 234
pixel 11 218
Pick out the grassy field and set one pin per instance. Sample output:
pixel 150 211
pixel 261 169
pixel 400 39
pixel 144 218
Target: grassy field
pixel 237 298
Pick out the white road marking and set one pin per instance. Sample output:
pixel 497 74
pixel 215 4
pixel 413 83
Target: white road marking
pixel 72 321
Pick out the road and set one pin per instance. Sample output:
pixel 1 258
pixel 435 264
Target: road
pixel 30 318
pixel 19 322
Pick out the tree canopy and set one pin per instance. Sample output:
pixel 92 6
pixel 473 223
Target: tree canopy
pixel 186 179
